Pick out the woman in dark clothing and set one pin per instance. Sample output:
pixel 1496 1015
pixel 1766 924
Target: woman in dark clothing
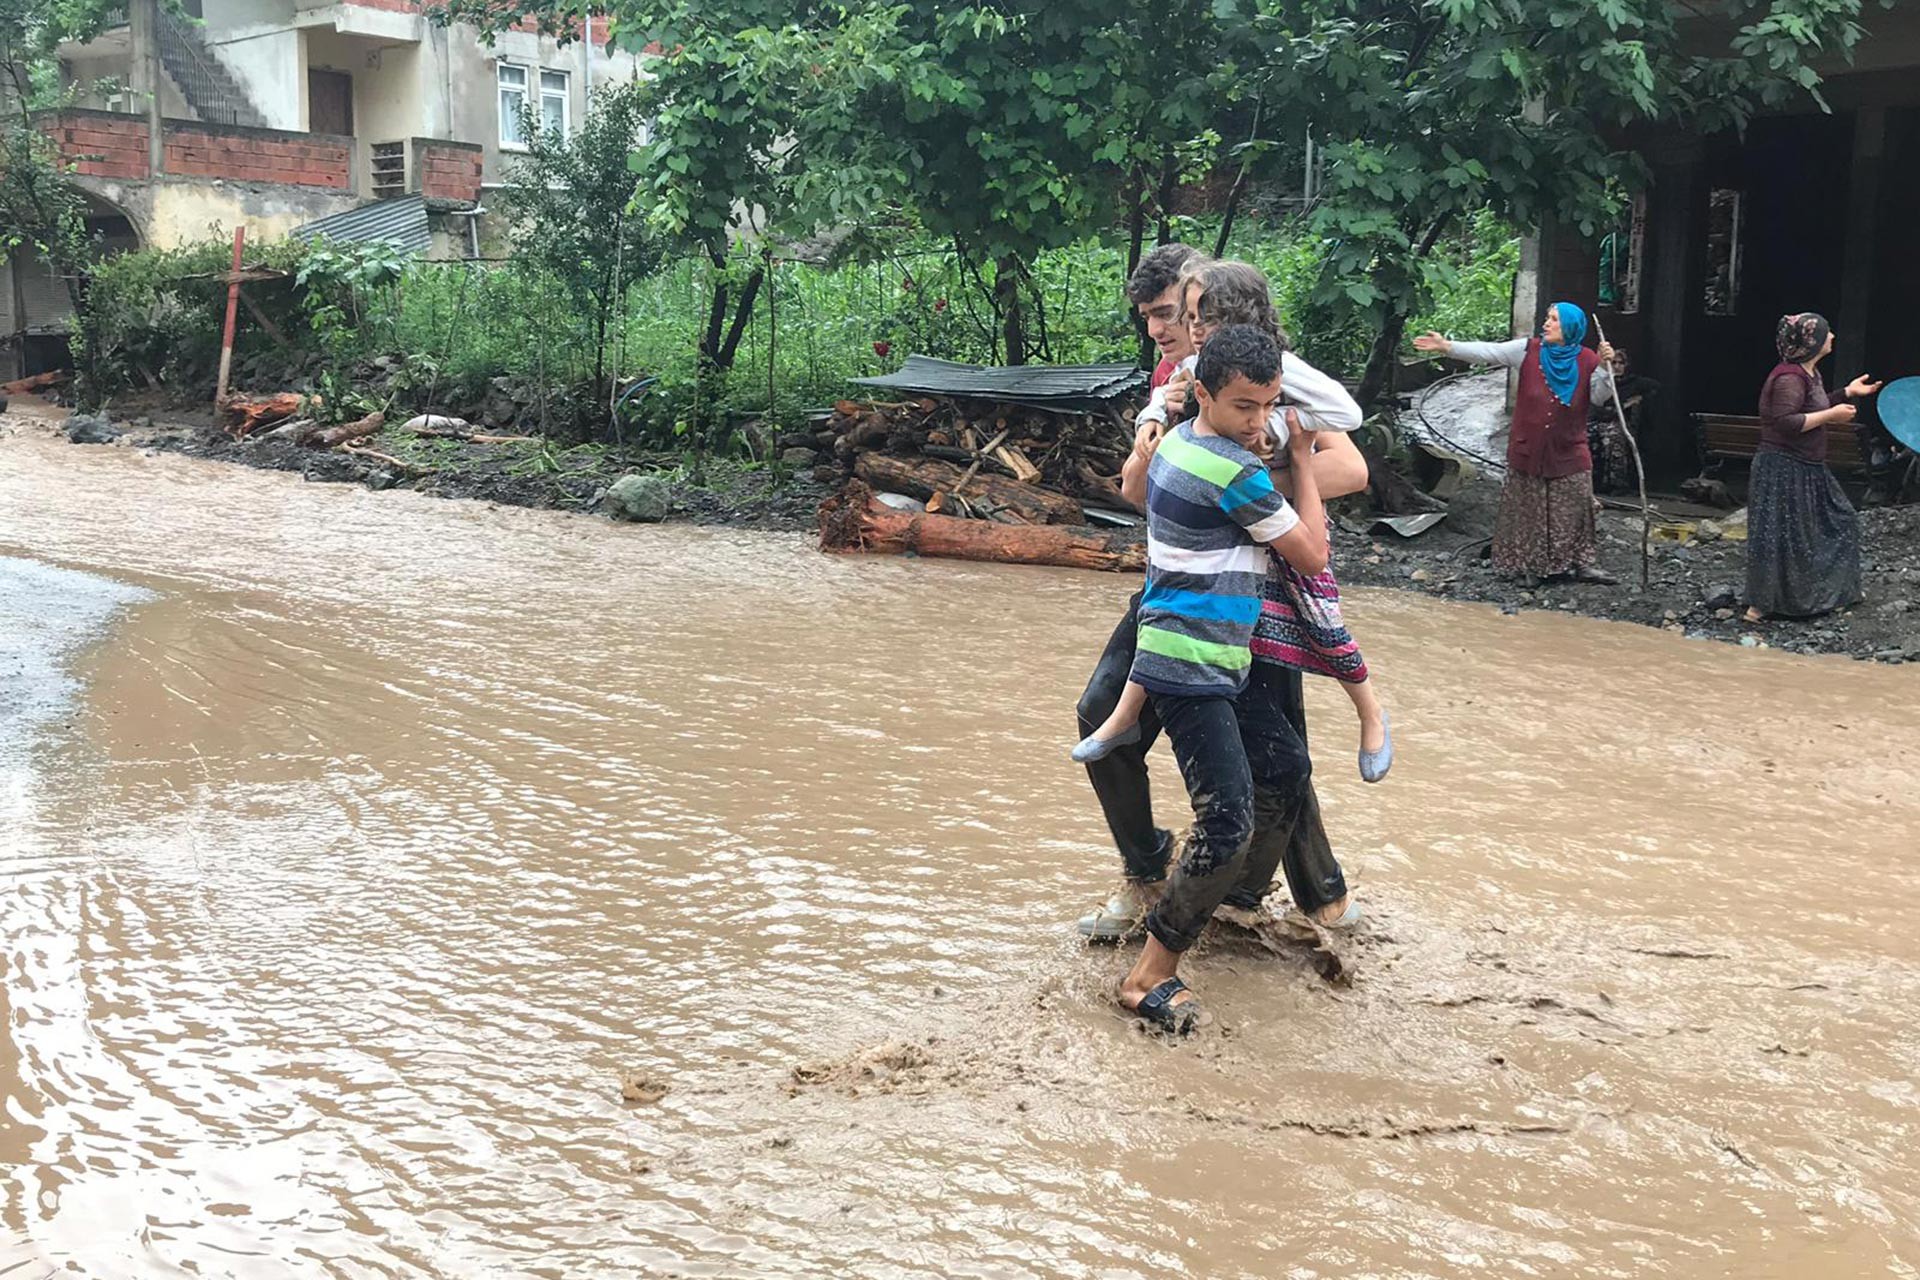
pixel 1803 538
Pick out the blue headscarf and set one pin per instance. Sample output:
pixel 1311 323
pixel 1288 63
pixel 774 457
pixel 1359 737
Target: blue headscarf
pixel 1561 361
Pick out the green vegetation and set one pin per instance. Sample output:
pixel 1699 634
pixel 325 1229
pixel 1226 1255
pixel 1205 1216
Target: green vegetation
pixel 444 332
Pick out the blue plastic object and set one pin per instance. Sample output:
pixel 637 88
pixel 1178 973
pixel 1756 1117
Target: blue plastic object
pixel 1899 408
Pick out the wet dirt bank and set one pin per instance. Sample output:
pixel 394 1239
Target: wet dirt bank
pixel 1693 589
pixel 390 837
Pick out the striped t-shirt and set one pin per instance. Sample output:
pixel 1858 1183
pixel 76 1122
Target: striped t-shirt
pixel 1211 510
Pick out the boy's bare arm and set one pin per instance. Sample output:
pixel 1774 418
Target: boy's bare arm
pixel 1133 478
pixel 1305 545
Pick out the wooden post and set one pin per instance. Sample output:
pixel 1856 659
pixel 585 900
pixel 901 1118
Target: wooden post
pixel 233 307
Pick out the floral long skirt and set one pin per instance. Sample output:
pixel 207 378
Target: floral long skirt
pixel 1545 527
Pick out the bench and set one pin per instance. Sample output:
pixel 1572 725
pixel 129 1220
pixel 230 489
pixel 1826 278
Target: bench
pixel 1727 435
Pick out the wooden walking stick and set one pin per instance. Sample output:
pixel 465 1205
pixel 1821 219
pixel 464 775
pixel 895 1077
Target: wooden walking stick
pixel 1646 511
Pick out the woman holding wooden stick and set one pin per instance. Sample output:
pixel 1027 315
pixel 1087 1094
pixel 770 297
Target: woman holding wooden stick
pixel 1545 528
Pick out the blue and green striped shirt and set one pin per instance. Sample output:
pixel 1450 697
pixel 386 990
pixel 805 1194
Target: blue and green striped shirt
pixel 1211 511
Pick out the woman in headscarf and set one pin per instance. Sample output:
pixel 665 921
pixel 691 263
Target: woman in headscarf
pixel 1545 527
pixel 1803 538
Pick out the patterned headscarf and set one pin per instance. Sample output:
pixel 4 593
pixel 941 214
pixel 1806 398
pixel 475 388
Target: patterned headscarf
pixel 1801 336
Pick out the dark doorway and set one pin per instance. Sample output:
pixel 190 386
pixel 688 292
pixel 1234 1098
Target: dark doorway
pixel 1769 224
pixel 330 102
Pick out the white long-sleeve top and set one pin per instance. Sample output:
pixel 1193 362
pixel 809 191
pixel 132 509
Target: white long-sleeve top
pixel 1513 353
pixel 1322 403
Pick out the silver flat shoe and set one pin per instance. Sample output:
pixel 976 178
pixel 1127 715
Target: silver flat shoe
pixel 1092 748
pixel 1374 764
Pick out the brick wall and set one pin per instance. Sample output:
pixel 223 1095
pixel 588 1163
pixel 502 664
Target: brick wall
pixel 104 144
pixel 446 170
pixel 259 155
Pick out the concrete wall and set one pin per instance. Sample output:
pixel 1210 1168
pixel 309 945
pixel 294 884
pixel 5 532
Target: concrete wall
pixel 170 212
pixel 270 65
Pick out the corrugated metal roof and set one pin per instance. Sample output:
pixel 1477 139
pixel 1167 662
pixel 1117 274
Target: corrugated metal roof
pixel 1056 386
pixel 401 221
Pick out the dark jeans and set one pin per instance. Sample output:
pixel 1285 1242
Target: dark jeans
pixel 1273 726
pixel 1205 735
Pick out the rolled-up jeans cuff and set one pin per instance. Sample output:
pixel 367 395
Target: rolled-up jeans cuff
pixel 1153 868
pixel 1166 937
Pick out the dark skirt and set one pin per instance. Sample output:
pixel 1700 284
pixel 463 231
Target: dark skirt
pixel 1803 539
pixel 1545 527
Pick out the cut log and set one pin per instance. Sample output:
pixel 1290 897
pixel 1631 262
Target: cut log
pixel 247 414
pixel 923 477
pixel 1022 466
pixel 328 437
pixel 854 521
pixel 1090 485
pixel 36 382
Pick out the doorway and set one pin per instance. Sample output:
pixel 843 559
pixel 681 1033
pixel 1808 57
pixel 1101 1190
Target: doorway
pixel 330 102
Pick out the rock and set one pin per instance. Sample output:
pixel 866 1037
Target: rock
pixel 644 1087
pixel 1510 610
pixel 382 479
pixel 435 422
pixel 91 428
pixel 1420 575
pixel 798 440
pixel 1750 641
pixel 1723 614
pixel 1373 560
pixel 1702 489
pixel 1721 595
pixel 1670 616
pixel 826 474
pixel 646 499
pixel 1444 557
pixel 1897 606
pixel 1709 531
pixel 797 457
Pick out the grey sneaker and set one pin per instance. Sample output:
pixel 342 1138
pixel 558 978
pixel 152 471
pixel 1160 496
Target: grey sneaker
pixel 1121 916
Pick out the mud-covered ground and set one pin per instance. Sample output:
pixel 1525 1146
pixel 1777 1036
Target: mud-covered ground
pixel 1693 587
pixel 529 473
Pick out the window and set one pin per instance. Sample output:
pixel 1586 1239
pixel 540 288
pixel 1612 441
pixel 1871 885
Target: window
pixel 513 101
pixel 553 102
pixel 515 91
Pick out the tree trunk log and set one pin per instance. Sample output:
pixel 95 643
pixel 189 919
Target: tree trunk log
pixel 328 437
pixel 923 477
pixel 854 521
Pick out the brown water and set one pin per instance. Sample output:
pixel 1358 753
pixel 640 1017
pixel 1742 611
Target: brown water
pixel 386 833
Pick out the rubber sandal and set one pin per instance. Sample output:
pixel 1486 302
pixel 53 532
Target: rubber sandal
pixel 1091 748
pixel 1374 764
pixel 1157 1008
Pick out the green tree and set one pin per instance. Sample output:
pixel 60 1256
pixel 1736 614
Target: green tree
pixel 40 210
pixel 571 203
pixel 1434 109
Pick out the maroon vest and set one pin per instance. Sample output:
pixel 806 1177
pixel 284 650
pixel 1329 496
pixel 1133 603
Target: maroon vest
pixel 1549 439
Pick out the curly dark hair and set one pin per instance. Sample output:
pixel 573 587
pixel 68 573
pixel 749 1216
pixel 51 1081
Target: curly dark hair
pixel 1159 271
pixel 1243 349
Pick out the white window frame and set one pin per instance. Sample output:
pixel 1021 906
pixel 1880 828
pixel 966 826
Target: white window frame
pixel 562 93
pixel 510 122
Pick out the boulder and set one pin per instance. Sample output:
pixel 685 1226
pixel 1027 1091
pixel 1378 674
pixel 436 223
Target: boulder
pixel 91 428
pixel 646 499
pixel 797 457
pixel 1721 595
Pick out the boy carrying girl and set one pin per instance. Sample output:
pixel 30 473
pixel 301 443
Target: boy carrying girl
pixel 1212 513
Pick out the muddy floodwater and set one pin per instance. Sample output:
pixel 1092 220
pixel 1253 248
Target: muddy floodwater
pixel 358 848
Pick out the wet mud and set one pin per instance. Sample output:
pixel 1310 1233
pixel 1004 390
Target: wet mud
pixel 421 888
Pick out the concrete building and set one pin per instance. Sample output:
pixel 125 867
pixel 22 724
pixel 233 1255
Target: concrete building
pixel 275 114
pixel 1808 211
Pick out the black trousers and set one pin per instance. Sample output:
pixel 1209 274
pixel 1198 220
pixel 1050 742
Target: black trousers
pixel 1287 831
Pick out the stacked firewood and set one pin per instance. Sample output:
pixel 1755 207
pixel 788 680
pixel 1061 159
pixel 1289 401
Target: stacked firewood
pixel 990 477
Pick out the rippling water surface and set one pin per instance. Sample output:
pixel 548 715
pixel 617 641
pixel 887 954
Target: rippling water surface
pixel 357 844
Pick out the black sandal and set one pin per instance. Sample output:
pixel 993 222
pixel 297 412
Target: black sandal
pixel 1157 1008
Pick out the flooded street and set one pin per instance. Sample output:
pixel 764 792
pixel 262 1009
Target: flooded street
pixel 357 843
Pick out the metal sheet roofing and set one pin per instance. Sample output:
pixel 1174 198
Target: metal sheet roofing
pixel 1058 386
pixel 401 221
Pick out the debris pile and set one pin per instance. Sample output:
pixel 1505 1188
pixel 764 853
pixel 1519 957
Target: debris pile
pixel 1029 475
